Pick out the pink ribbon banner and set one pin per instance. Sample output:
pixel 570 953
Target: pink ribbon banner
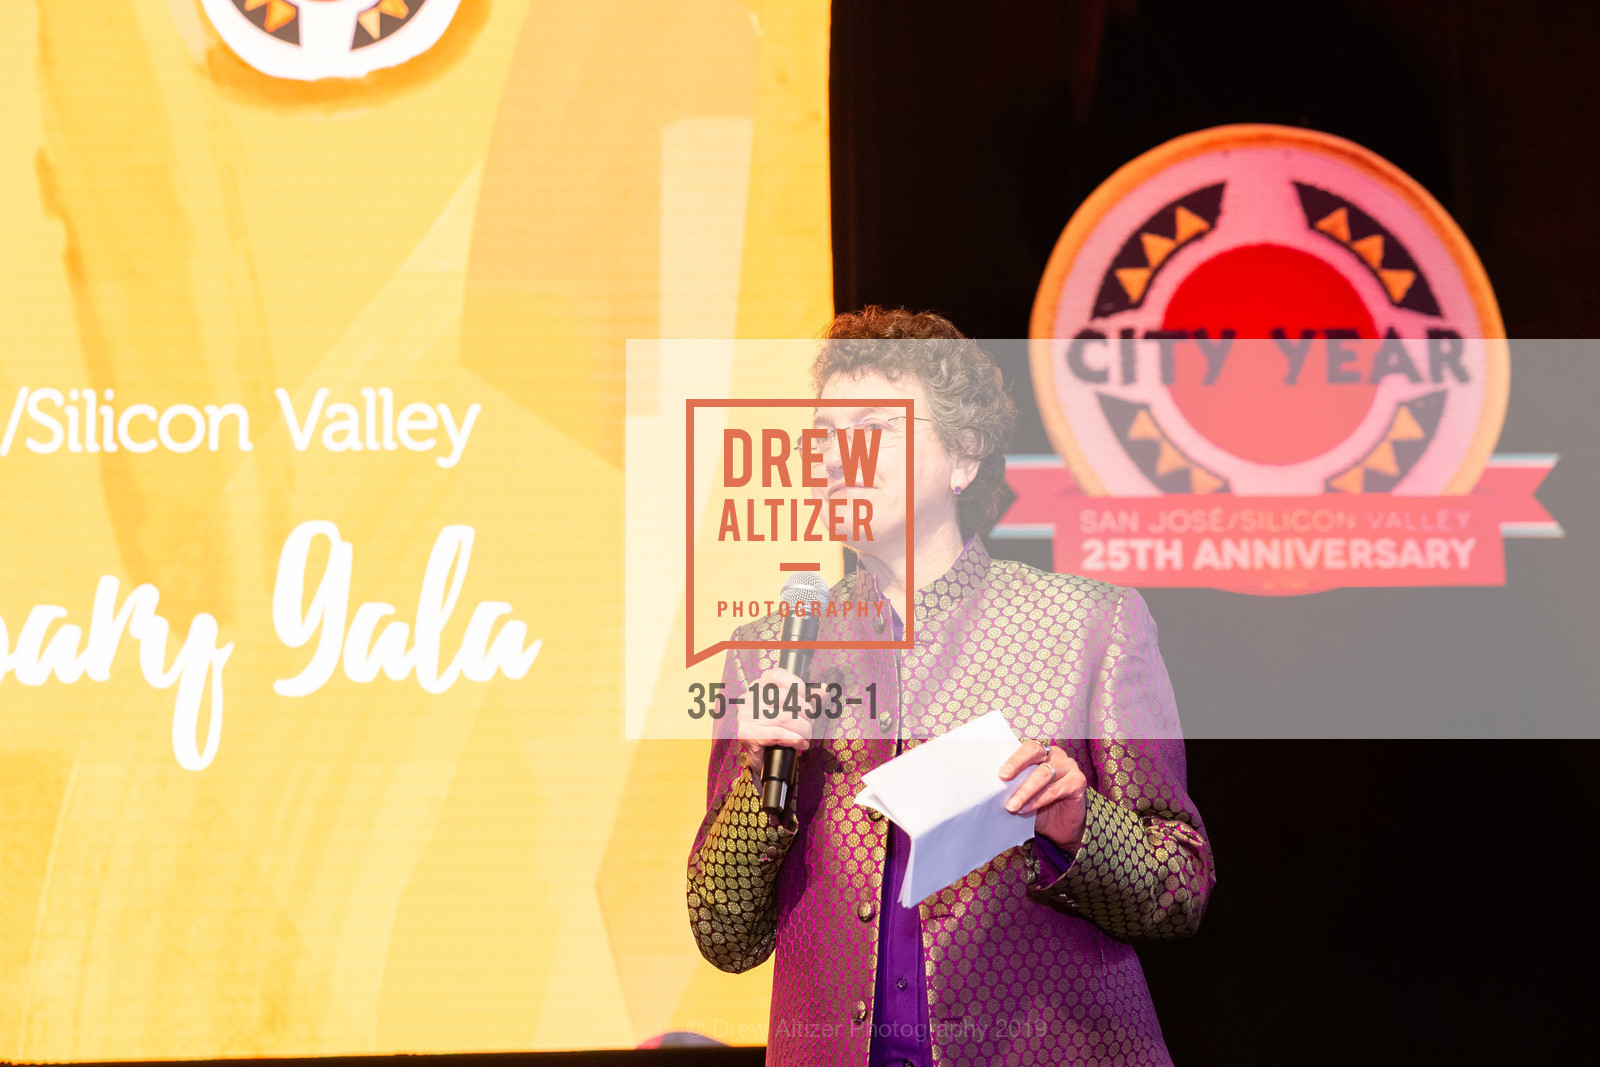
pixel 1280 546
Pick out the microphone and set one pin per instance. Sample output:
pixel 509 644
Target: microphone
pixel 777 770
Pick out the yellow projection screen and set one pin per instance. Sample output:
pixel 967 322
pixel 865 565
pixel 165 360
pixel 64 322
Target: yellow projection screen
pixel 313 377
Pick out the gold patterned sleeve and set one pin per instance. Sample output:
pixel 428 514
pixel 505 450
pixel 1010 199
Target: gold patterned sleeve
pixel 1145 869
pixel 738 851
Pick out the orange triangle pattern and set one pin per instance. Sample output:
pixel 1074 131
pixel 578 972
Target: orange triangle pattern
pixel 1188 224
pixel 1144 427
pixel 1351 481
pixel 1406 427
pixel 1202 481
pixel 1382 460
pixel 396 8
pixel 1169 459
pixel 1156 248
pixel 1337 226
pixel 279 14
pixel 1133 280
pixel 370 21
pixel 1369 249
pixel 1398 282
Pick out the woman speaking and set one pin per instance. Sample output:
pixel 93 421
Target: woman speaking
pixel 1026 959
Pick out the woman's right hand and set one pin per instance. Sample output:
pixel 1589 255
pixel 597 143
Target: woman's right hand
pixel 787 731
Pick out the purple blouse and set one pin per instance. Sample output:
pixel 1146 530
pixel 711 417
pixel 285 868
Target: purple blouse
pixel 900 1035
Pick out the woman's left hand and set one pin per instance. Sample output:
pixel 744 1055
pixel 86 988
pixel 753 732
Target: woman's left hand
pixel 1055 791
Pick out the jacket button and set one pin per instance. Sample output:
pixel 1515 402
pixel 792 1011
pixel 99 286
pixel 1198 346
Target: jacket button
pixel 874 814
pixel 864 912
pixel 901 984
pixel 861 1011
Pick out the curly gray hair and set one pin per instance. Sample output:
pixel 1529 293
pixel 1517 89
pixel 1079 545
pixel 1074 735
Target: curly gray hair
pixel 967 400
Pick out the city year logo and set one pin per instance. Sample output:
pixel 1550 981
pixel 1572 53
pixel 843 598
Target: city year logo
pixel 1277 351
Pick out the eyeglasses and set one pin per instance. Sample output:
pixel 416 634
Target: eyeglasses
pixel 889 430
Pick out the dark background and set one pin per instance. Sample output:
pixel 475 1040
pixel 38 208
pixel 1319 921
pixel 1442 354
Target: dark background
pixel 1379 901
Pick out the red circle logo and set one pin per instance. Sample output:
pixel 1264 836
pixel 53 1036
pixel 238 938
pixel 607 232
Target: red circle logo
pixel 1267 311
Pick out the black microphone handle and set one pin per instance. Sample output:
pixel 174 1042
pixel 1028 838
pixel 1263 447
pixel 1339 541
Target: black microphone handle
pixel 778 762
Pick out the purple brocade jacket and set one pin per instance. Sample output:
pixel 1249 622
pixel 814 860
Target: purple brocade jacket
pixel 1024 964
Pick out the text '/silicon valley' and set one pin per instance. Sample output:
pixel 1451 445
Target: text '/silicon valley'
pixel 91 421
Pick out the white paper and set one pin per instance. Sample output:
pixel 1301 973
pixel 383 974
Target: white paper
pixel 947 795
